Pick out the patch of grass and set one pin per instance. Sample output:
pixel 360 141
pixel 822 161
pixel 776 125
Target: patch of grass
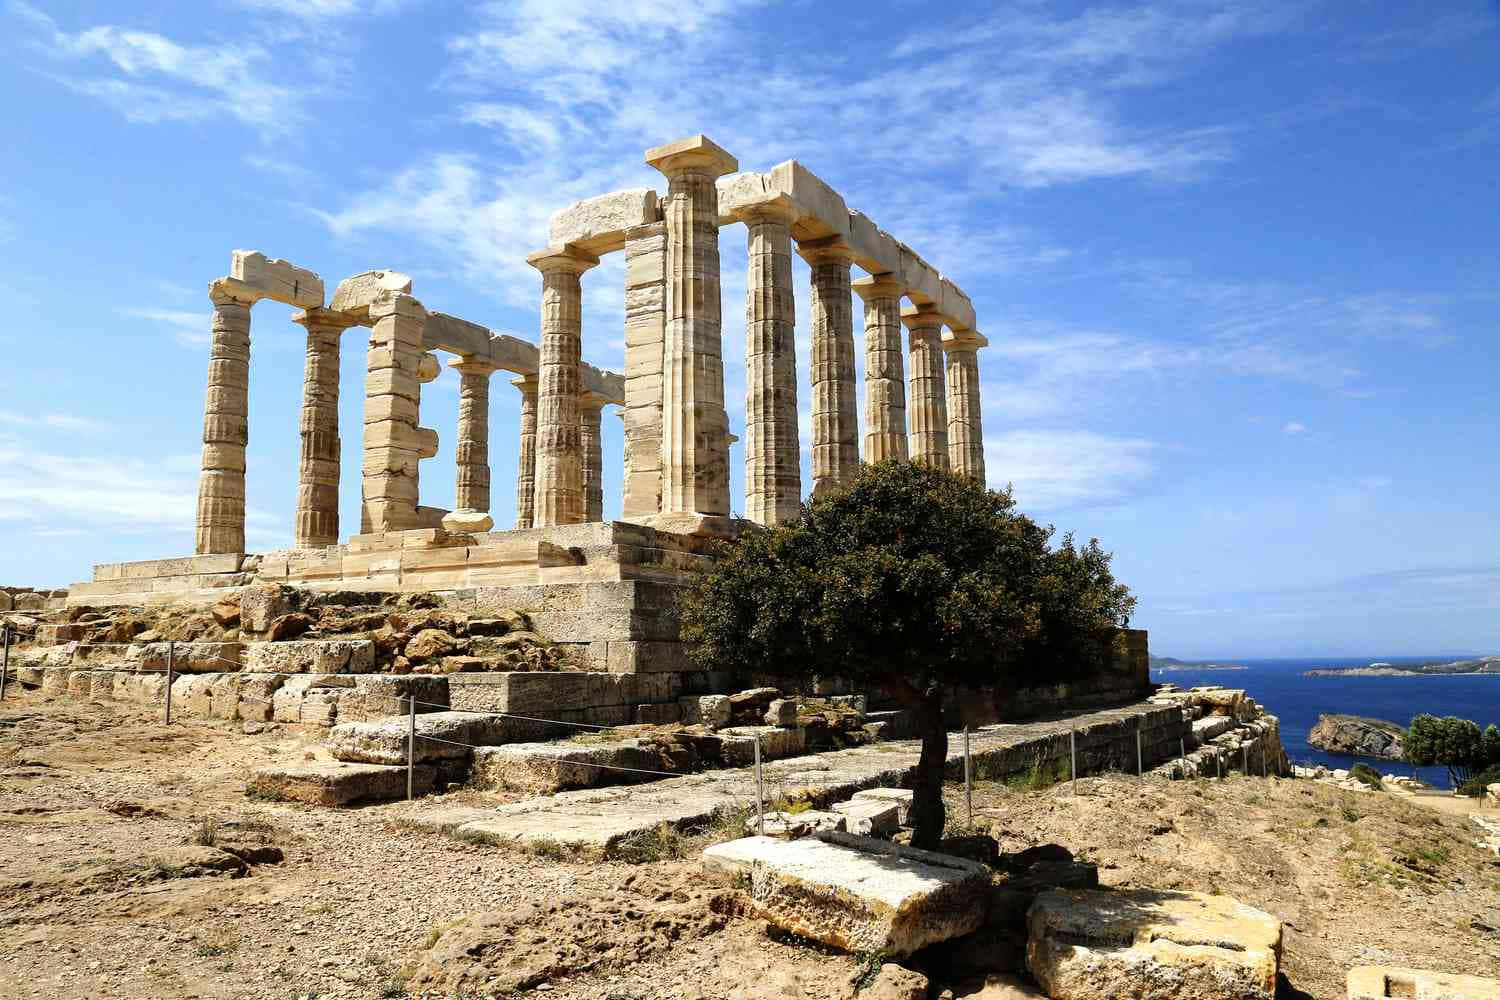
pixel 475 838
pixel 1366 775
pixel 552 850
pixel 217 946
pixel 261 792
pixel 663 842
pixel 161 868
pixel 725 824
pixel 868 968
pixel 437 932
pixel 391 988
pixel 205 832
pixel 1350 814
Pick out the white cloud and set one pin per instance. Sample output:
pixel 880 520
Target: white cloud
pixel 52 421
pixel 188 329
pixel 1293 427
pixel 1062 469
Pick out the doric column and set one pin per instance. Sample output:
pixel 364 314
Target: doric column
pixel 835 444
pixel 226 422
pixel 695 431
pixel 393 394
pixel 885 388
pixel 927 410
pixel 773 460
pixel 559 453
pixel 645 331
pixel 318 473
pixel 965 425
pixel 590 416
pixel 526 476
pixel 472 450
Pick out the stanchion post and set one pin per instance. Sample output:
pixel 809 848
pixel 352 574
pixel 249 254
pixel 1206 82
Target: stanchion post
pixel 1245 758
pixel 1073 753
pixel 1219 764
pixel 760 794
pixel 171 656
pixel 1263 760
pixel 1182 757
pixel 1140 768
pixel 4 659
pixel 411 744
pixel 968 778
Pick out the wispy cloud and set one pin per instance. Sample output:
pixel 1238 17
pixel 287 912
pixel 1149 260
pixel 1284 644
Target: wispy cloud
pixel 1054 470
pixel 189 329
pixel 51 421
pixel 1293 427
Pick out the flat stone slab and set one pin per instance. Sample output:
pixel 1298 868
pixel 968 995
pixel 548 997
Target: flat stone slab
pixel 789 825
pixel 333 783
pixel 550 767
pixel 870 817
pixel 1375 982
pixel 310 656
pixel 439 736
pixel 902 797
pixel 1099 945
pixel 856 893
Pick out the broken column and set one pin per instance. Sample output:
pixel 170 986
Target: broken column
pixel 695 433
pixel 318 473
pixel 927 410
pixel 965 422
pixel 472 449
pixel 559 454
pixel 393 445
pixel 773 461
pixel 835 428
pixel 226 421
pixel 885 389
pixel 526 476
pixel 590 414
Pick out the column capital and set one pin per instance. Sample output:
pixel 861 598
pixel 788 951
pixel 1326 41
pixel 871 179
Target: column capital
pixel 879 286
pixel 467 364
pixel 232 291
pixel 777 208
pixel 831 249
pixel 924 318
pixel 964 340
pixel 324 319
pixel 697 152
pixel 591 401
pixel 565 259
pixel 526 383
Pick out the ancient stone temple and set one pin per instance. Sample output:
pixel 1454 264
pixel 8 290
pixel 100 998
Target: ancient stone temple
pixel 921 402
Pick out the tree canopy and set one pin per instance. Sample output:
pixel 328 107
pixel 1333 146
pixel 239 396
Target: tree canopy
pixel 1456 744
pixel 913 580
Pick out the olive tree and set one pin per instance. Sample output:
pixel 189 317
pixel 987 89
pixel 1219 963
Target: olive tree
pixel 915 582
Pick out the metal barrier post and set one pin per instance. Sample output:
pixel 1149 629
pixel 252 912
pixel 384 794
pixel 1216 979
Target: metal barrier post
pixel 1140 770
pixel 171 655
pixel 1263 760
pixel 1182 757
pixel 1245 757
pixel 1073 753
pixel 4 659
pixel 760 795
pixel 411 744
pixel 968 778
pixel 1219 764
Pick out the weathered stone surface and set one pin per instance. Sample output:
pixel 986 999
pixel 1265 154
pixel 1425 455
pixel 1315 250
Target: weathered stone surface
pixel 260 606
pixel 788 825
pixel 428 644
pixel 1350 734
pixel 331 783
pixel 543 768
pixel 782 712
pixel 277 279
pixel 1003 987
pixel 468 522
pixel 712 710
pixel 1372 982
pixel 869 817
pixel 355 293
pixel 310 656
pixel 439 736
pixel 899 797
pixel 1099 945
pixel 598 225
pixel 856 893
pixel 893 982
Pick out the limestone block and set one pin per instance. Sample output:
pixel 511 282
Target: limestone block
pixel 924 285
pixel 513 354
pixel 711 710
pixel 658 715
pixel 598 225
pixel 355 294
pixel 954 304
pixel 781 712
pixel 193 694
pixel 277 279
pixel 738 744
pixel 543 768
pixel 1372 982
pixel 856 893
pixel 875 250
pixel 55 682
pixel 311 656
pixel 330 783
pixel 260 606
pixel 440 736
pixel 901 798
pixel 7 603
pixel 857 702
pixel 257 693
pixel 320 708
pixel 29 601
pixel 428 369
pixel 1099 945
pixel 821 210
pixel 740 192
pixel 869 817
pixel 468 522
pixel 790 825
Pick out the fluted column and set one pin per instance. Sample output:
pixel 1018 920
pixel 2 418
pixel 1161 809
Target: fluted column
pixel 695 428
pixel 226 422
pixel 773 460
pixel 526 475
pixel 318 472
pixel 559 452
pixel 590 416
pixel 472 450
pixel 885 388
pixel 927 411
pixel 965 424
pixel 393 444
pixel 835 427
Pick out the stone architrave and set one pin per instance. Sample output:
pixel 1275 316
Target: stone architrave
pixel 559 452
pixel 645 331
pixel 927 406
pixel 885 381
pixel 526 475
pixel 318 473
pixel 773 461
pixel 590 417
pixel 472 486
pixel 965 421
pixel 695 431
pixel 226 421
pixel 392 400
pixel 835 427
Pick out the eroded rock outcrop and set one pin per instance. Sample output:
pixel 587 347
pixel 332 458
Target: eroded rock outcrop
pixel 1359 737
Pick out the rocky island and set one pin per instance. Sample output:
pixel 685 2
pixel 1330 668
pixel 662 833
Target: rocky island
pixel 1164 663
pixel 1357 736
pixel 1480 665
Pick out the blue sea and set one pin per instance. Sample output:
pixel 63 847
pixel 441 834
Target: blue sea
pixel 1279 685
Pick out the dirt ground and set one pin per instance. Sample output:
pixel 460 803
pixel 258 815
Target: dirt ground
pixel 103 895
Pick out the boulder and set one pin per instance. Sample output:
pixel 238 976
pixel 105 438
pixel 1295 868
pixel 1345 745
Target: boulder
pixel 467 522
pixel 869 817
pixel 856 893
pixel 1100 945
pixel 1371 982
pixel 901 797
pixel 781 712
pixel 429 644
pixel 1000 987
pixel 711 710
pixel 260 606
pixel 893 982
pixel 1358 737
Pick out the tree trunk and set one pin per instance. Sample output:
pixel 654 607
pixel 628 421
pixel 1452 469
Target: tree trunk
pixel 927 814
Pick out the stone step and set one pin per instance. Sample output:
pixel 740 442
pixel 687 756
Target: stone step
pixel 335 783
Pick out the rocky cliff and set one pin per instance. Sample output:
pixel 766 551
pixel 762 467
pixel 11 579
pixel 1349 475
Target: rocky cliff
pixel 1360 737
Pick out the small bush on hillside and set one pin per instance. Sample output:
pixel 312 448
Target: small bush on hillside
pixel 1366 774
pixel 1475 786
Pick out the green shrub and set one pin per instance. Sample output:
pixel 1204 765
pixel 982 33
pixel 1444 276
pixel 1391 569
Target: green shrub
pixel 1475 786
pixel 1366 774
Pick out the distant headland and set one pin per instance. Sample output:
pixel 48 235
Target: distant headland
pixel 1166 663
pixel 1481 665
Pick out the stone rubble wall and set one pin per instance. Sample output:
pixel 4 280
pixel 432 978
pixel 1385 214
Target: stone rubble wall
pixel 1227 732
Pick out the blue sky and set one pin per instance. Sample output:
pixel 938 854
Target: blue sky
pixel 1236 261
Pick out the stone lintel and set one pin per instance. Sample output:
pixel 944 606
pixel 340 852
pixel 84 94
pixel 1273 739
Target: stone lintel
pixel 875 250
pixel 831 248
pixel 598 225
pixel 924 317
pixel 823 212
pixel 608 386
pixel 513 354
pixel 697 152
pixel 222 291
pixel 960 340
pixel 456 336
pixel 355 294
pixel 923 283
pixel 956 304
pixel 879 285
pixel 280 280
